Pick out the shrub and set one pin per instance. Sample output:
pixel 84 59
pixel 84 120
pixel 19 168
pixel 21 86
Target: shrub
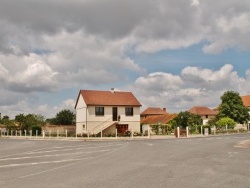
pixel 127 133
pixel 137 134
pixel 35 128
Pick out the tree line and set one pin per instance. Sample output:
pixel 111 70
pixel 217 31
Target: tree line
pixel 27 122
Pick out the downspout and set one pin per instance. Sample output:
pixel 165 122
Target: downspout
pixel 86 119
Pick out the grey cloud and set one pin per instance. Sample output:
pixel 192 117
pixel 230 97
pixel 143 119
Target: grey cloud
pixel 111 17
pixel 163 24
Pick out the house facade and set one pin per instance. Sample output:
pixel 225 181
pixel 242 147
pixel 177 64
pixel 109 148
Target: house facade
pixel 107 112
pixel 155 116
pixel 205 113
pixel 153 111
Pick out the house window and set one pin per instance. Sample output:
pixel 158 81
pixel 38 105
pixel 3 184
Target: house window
pixel 129 111
pixel 99 111
pixel 206 116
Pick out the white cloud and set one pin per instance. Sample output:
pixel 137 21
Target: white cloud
pixel 159 81
pixel 195 86
pixel 195 3
pixel 50 46
pixel 35 75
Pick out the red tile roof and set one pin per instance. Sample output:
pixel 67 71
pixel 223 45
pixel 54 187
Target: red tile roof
pixel 155 119
pixel 246 100
pixel 153 111
pixel 109 98
pixel 201 110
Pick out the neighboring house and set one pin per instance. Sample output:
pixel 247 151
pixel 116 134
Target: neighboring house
pixel 150 111
pixel 205 113
pixel 246 100
pixel 106 111
pixel 158 119
pixel 153 116
pixel 3 128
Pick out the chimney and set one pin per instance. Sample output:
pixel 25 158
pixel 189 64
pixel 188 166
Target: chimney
pixel 164 109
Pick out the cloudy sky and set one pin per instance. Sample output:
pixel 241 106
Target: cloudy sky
pixel 169 53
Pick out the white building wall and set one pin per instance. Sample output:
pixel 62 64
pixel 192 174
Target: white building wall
pixel 132 121
pixel 93 118
pixel 81 116
pixel 206 119
pixel 93 121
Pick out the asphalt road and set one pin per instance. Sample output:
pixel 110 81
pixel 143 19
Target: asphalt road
pixel 190 162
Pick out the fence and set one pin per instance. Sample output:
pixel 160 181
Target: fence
pixel 64 133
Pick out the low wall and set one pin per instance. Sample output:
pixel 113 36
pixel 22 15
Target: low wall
pixel 60 128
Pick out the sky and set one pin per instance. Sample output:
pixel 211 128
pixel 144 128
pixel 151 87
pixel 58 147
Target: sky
pixel 172 54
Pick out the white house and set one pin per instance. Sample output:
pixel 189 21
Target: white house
pixel 205 113
pixel 106 111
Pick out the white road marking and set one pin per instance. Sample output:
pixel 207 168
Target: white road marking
pixel 49 151
pixel 43 162
pixel 55 155
pixel 39 150
pixel 83 159
pixel 232 154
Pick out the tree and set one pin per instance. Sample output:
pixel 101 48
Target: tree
pixel 6 118
pixel 20 119
pixel 212 122
pixel 185 119
pixel 51 121
pixel 26 121
pixel 226 122
pixel 35 128
pixel 65 117
pixel 30 120
pixel 6 121
pixel 232 106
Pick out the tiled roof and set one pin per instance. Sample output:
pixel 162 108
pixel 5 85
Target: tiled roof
pixel 109 98
pixel 153 111
pixel 155 119
pixel 2 126
pixel 246 100
pixel 202 110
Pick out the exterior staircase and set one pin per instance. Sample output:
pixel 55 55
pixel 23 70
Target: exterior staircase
pixel 103 126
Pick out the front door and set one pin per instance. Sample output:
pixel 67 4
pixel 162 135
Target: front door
pixel 115 117
pixel 121 128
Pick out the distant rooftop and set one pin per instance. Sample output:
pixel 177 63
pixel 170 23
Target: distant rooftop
pixel 158 119
pixel 154 111
pixel 246 100
pixel 202 110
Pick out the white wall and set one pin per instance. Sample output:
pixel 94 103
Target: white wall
pixel 81 116
pixel 94 121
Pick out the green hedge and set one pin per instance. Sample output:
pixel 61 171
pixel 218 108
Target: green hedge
pixel 35 128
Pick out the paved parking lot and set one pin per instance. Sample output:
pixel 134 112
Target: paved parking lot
pixel 189 162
